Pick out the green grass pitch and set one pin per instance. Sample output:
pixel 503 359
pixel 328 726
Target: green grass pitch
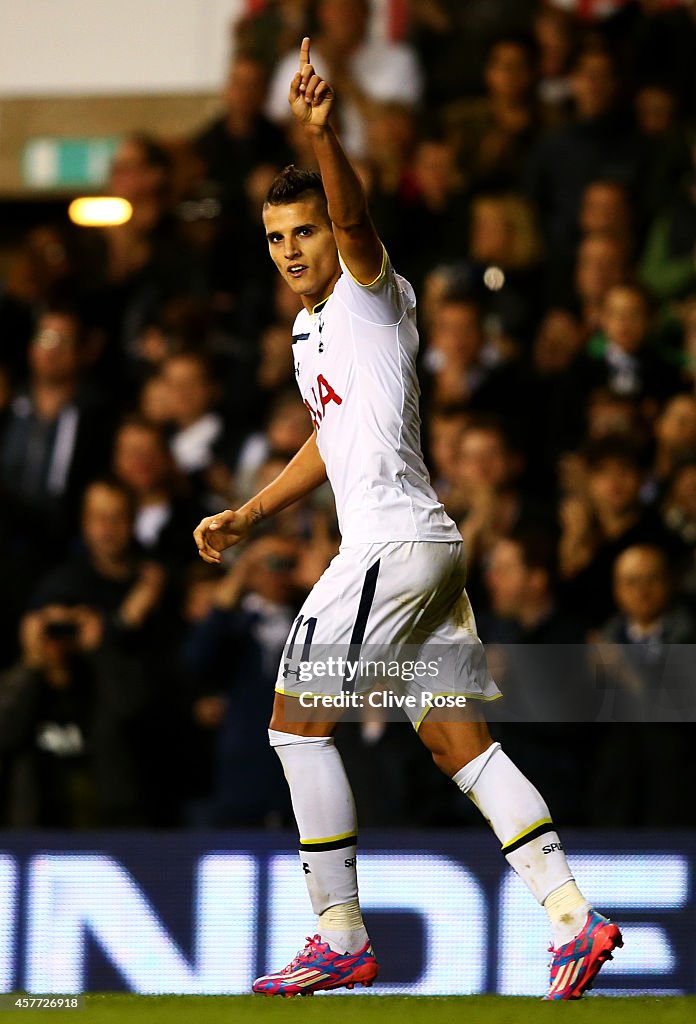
pixel 106 1008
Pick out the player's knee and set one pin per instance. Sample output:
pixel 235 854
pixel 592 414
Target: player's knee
pixel 446 761
pixel 450 758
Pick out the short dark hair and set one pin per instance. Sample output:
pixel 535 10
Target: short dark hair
pixel 112 483
pixel 615 448
pixel 520 40
pixel 136 421
pixel 538 544
pixel 294 183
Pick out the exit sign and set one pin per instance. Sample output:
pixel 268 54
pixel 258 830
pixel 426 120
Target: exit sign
pixel 61 163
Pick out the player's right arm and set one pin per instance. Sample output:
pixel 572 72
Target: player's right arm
pixel 302 475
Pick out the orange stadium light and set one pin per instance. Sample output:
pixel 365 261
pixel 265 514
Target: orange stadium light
pixel 100 211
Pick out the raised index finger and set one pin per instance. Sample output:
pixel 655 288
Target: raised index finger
pixel 304 52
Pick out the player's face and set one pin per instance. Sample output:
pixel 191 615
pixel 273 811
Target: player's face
pixel 303 248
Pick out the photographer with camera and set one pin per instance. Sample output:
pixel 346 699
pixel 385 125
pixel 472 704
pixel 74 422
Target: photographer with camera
pixel 48 721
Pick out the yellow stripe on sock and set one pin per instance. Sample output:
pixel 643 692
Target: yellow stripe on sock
pixel 516 839
pixel 328 839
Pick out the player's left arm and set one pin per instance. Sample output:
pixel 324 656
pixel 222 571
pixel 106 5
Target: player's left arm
pixel 311 100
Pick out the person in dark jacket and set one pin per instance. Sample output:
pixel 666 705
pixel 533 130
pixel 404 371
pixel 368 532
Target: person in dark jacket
pixel 66 709
pixel 232 658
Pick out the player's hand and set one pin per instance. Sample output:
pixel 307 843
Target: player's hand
pixel 215 533
pixel 311 98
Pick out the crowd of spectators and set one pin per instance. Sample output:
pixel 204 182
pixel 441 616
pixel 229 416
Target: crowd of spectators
pixel 531 168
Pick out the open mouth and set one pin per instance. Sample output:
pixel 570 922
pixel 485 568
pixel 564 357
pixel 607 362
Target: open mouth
pixel 296 270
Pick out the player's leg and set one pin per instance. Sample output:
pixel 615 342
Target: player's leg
pixel 339 954
pixel 324 809
pixel 515 810
pixel 518 815
pixel 337 619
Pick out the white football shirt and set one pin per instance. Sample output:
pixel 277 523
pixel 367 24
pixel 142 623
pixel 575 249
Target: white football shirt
pixel 355 363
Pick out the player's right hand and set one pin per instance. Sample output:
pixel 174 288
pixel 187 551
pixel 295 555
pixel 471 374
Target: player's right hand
pixel 215 533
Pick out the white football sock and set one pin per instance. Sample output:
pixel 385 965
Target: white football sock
pixel 325 813
pixel 521 820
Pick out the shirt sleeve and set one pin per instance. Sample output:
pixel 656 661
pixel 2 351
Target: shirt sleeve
pixel 382 301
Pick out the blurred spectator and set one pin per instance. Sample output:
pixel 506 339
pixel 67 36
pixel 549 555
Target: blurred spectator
pixel 644 597
pixel 666 156
pixel 361 69
pixel 679 508
pixel 108 573
pixel 605 208
pixel 600 523
pixel 554 35
pixel 598 142
pixel 504 236
pixel 287 429
pixel 271 29
pixel 432 208
pixel 655 40
pixel 630 366
pixel 392 136
pixel 54 435
pixel 445 431
pixel 184 324
pixel 613 415
pixel 233 655
pixel 144 263
pixel 651 677
pixel 46 271
pixel 453 38
pixel 620 358
pixel 537 659
pixel 63 725
pixel 275 370
pixel 485 496
pixel 193 397
pixel 464 369
pixel 165 513
pixel 675 436
pixel 241 140
pixel 556 345
pixel 112 578
pixel 241 152
pixel 493 135
pixel 521 577
pixel 601 264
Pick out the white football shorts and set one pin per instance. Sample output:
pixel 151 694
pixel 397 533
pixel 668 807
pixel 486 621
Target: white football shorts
pixel 394 616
